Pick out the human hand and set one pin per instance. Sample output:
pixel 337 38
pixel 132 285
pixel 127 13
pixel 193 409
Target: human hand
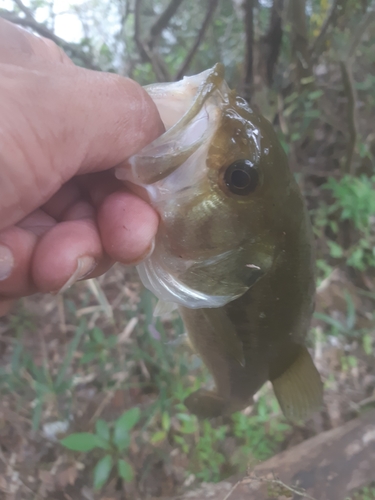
pixel 63 215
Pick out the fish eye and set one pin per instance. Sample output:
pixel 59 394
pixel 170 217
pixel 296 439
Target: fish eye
pixel 241 177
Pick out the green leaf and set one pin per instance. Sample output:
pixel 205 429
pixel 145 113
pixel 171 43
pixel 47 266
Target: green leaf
pixel 125 470
pixel 98 336
pixel 121 437
pixel 367 344
pixel 88 357
pixel 81 441
pixel 157 437
pixel 123 424
pixel 129 418
pixel 315 95
pixel 102 471
pixel 335 250
pixel 102 430
pixel 165 421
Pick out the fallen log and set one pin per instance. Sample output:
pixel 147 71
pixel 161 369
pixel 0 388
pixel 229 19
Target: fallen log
pixel 326 467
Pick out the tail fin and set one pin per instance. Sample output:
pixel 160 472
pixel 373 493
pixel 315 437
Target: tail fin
pixel 299 390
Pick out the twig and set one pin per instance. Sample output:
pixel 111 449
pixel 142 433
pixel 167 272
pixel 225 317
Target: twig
pixel 249 31
pixel 248 480
pixel 349 90
pixel 162 22
pixel 361 29
pixel 24 9
pixel 145 52
pixel 293 489
pixel 212 4
pixel 232 490
pixel 347 79
pixel 41 29
pixel 330 19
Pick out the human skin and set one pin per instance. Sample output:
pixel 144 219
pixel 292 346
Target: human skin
pixel 63 215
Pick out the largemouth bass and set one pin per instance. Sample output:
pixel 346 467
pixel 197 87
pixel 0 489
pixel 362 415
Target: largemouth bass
pixel 234 247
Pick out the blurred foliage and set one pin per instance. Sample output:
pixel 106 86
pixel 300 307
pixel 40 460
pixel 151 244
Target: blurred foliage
pixel 324 118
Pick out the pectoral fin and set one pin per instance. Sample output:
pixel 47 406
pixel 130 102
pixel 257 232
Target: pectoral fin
pixel 205 404
pixel 225 335
pixel 162 308
pixel 299 390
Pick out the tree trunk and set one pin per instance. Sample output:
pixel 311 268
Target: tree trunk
pixel 299 39
pixel 270 43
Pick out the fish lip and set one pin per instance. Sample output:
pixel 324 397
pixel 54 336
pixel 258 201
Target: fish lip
pixel 164 155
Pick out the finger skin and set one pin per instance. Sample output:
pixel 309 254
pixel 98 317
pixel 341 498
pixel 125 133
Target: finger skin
pixel 5 306
pixel 127 226
pixel 21 243
pixel 58 120
pixel 56 255
pixel 63 128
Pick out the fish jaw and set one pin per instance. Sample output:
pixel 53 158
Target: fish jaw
pixel 173 169
pixel 206 238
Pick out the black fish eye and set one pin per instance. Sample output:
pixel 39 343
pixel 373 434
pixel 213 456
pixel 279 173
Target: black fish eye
pixel 241 177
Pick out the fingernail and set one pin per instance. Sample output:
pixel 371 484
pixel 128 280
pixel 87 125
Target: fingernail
pixel 145 255
pixel 85 266
pixel 6 262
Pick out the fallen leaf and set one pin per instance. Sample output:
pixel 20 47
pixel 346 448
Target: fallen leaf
pixel 67 477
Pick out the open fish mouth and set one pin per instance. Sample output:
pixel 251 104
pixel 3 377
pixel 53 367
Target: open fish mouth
pixel 171 171
pixel 189 110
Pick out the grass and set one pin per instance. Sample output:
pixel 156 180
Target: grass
pixel 48 377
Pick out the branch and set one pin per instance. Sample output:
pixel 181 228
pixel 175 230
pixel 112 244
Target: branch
pixel 210 12
pixel 24 9
pixel 347 79
pixel 366 22
pixel 146 54
pixel 41 29
pixel 249 32
pixel 162 22
pixel 329 21
pixel 349 90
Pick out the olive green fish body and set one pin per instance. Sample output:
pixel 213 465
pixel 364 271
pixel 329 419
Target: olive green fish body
pixel 234 245
pixel 270 322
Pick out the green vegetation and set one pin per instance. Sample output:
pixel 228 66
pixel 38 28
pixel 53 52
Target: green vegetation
pixel 366 493
pixel 114 443
pixel 100 370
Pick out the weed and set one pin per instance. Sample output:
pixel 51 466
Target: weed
pixel 366 493
pixel 353 201
pixel 113 439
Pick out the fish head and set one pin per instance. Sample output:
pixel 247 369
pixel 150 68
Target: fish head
pixel 220 181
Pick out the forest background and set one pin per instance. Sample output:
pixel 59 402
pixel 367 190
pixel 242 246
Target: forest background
pixel 95 361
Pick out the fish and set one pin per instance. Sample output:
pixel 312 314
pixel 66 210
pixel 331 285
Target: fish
pixel 234 248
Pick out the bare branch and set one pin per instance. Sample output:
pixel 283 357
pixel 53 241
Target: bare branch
pixel 162 22
pixel 42 30
pixel 360 31
pixel 146 53
pixel 349 89
pixel 185 65
pixel 249 58
pixel 24 9
pixel 329 21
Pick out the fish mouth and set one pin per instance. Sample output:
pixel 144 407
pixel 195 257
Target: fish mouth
pixel 189 123
pixel 170 172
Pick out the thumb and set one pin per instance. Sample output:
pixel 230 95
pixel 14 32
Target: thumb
pixel 57 121
pixel 118 118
